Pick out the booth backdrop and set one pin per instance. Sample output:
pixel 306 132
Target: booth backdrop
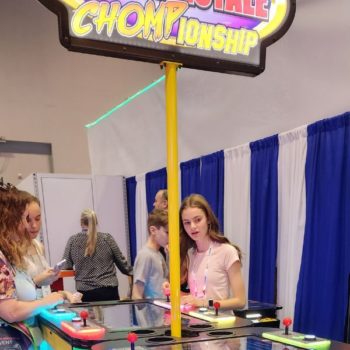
pixel 285 174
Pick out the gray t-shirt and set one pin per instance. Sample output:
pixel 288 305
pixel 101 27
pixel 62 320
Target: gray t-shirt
pixel 150 269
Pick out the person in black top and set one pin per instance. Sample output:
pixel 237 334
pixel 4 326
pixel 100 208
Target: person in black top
pixel 94 255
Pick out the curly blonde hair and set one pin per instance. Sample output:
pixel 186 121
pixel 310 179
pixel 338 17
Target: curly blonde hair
pixel 13 243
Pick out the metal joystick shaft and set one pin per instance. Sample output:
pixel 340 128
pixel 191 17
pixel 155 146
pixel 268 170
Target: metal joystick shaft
pixel 167 294
pixel 132 338
pixel 217 307
pixel 84 315
pixel 286 323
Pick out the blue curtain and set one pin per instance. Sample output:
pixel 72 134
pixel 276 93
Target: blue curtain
pixel 321 300
pixel 131 199
pixel 190 177
pixel 256 343
pixel 212 183
pixel 155 181
pixel 263 236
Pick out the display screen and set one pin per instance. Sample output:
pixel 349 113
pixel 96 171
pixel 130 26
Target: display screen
pixel 121 317
pixel 242 343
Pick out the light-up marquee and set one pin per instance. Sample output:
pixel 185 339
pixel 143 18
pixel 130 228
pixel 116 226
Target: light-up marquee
pixel 219 35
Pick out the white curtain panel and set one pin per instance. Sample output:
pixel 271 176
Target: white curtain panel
pixel 141 212
pixel 237 202
pixel 291 215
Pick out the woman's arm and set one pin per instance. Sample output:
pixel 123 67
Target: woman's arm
pixel 118 257
pixel 138 290
pixel 12 310
pixel 68 255
pixel 71 297
pixel 131 282
pixel 237 288
pixel 46 278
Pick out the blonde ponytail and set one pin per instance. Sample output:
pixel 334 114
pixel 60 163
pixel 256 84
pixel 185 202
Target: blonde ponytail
pixel 89 219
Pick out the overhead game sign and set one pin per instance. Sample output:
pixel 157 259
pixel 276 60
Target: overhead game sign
pixel 219 35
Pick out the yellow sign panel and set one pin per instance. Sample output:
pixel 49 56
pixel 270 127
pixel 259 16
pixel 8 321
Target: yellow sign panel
pixel 220 35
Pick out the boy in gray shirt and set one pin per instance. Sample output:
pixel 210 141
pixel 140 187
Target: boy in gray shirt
pixel 150 270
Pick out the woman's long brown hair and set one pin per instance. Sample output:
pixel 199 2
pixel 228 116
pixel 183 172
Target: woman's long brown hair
pixel 198 201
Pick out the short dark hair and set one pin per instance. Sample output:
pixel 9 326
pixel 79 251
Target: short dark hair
pixel 157 218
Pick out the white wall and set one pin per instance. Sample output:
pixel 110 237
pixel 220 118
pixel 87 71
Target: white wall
pixel 48 94
pixel 307 78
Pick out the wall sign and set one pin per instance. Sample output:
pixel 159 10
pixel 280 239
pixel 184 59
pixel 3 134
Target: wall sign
pixel 228 36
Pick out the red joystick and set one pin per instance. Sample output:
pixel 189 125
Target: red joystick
pixel 132 338
pixel 84 315
pixel 217 307
pixel 167 293
pixel 286 323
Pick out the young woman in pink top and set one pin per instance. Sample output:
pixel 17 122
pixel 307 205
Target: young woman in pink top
pixel 210 264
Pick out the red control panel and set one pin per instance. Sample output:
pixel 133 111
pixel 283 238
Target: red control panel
pixel 81 328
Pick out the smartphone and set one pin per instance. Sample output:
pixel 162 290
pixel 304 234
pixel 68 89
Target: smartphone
pixel 59 265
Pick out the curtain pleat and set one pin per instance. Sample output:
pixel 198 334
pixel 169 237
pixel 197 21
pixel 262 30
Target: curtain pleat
pixel 131 204
pixel 141 211
pixel 212 183
pixel 322 292
pixel 291 216
pixel 190 177
pixel 237 202
pixel 263 213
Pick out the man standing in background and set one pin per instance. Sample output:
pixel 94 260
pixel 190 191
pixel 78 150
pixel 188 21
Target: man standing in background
pixel 161 200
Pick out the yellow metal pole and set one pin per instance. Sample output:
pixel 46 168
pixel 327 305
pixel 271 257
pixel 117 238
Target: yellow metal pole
pixel 173 194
